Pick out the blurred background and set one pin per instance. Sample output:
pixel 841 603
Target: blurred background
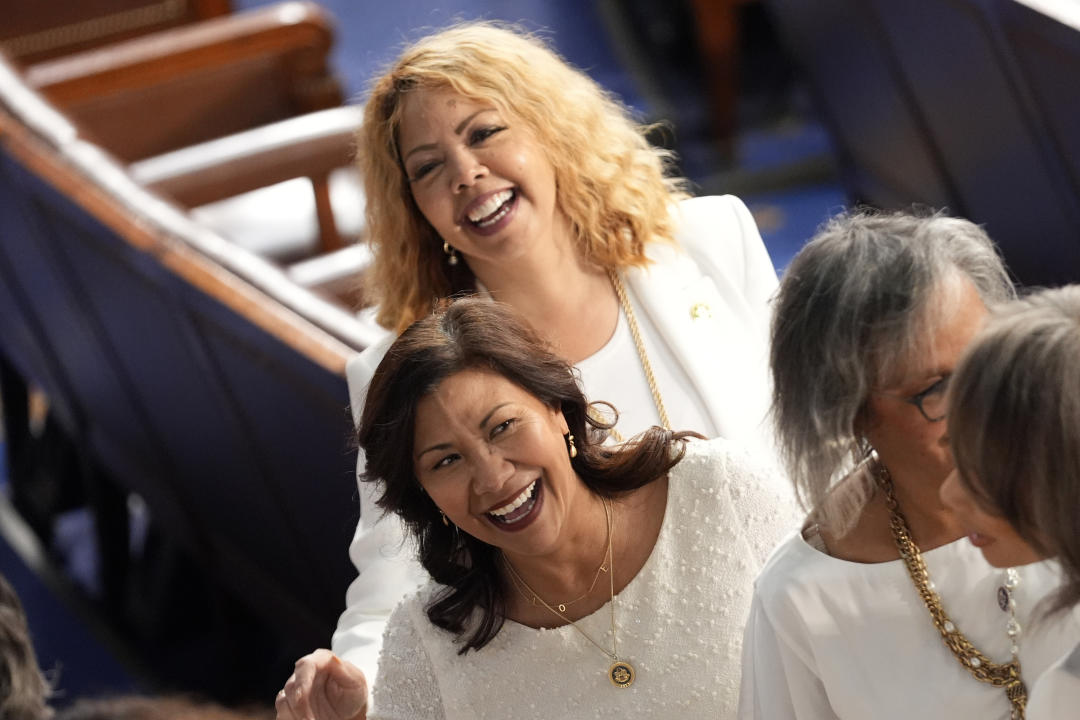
pixel 180 264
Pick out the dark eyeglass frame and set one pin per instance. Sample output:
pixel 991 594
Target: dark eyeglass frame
pixel 917 399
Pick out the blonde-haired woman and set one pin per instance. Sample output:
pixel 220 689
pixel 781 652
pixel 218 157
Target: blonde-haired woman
pixel 493 167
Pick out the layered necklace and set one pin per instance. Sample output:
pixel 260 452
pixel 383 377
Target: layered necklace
pixel 620 673
pixel 1002 675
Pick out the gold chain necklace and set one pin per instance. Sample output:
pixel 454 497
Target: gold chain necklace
pixel 537 600
pixel 1002 675
pixel 621 673
pixel 635 333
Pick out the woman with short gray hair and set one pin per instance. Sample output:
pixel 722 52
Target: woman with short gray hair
pixel 878 608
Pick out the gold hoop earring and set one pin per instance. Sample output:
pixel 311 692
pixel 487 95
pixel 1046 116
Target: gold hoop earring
pixel 573 448
pixel 451 253
pixel 444 520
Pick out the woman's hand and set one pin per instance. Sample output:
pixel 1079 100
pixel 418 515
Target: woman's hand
pixel 323 687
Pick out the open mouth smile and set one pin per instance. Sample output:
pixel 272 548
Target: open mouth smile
pixel 521 510
pixel 490 214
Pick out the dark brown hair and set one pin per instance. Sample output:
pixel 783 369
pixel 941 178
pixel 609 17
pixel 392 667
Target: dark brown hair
pixel 480 334
pixel 1014 424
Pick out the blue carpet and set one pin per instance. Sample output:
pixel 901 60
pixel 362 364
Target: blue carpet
pixel 767 148
pixel 370 35
pixel 788 218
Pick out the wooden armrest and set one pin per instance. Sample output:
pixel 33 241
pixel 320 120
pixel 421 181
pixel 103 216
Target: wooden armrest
pixel 185 85
pixel 336 275
pixel 36 31
pixel 307 146
pixel 344 264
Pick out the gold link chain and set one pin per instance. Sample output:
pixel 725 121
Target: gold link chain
pixel 1002 675
pixel 635 333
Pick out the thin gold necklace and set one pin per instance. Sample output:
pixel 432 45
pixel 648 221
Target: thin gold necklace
pixel 537 600
pixel 621 673
pixel 1002 675
pixel 635 333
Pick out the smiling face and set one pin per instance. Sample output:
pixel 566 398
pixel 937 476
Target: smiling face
pixel 494 460
pixel 907 443
pixel 987 530
pixel 479 177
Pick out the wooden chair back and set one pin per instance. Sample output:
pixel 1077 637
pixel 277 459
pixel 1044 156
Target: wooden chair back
pixel 195 375
pixel 171 89
pixel 44 29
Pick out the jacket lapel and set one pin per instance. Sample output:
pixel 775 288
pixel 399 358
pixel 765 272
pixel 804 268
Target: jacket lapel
pixel 724 359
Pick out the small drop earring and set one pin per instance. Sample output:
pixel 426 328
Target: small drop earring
pixel 451 253
pixel 573 448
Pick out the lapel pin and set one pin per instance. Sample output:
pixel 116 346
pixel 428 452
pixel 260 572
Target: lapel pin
pixel 700 311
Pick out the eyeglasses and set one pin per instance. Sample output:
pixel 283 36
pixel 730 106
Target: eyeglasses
pixel 931 401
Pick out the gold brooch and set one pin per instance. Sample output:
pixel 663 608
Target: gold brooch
pixel 700 311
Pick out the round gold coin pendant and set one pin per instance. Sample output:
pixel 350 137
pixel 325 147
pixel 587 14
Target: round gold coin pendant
pixel 621 674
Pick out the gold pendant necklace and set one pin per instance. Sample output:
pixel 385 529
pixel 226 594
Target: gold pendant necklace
pixel 635 333
pixel 621 673
pixel 537 600
pixel 1002 675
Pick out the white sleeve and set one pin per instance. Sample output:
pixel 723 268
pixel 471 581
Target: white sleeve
pixel 777 684
pixel 762 493
pixel 406 688
pixel 1056 693
pixel 386 562
pixel 388 571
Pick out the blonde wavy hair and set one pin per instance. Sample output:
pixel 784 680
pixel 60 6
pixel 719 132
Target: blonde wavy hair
pixel 610 183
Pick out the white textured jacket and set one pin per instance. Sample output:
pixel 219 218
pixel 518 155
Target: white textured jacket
pixel 708 298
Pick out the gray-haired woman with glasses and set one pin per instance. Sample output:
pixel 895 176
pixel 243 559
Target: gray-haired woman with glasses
pixel 879 607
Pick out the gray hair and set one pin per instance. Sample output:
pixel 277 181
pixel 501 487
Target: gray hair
pixel 24 690
pixel 1014 424
pixel 853 308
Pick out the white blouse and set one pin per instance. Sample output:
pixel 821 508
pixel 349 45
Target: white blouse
pixel 704 314
pixel 679 621
pixel 1056 694
pixel 615 374
pixel 828 638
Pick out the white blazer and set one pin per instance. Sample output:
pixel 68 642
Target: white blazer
pixel 708 298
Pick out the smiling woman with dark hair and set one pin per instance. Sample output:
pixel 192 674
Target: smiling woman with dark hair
pixel 494 168
pixel 619 575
